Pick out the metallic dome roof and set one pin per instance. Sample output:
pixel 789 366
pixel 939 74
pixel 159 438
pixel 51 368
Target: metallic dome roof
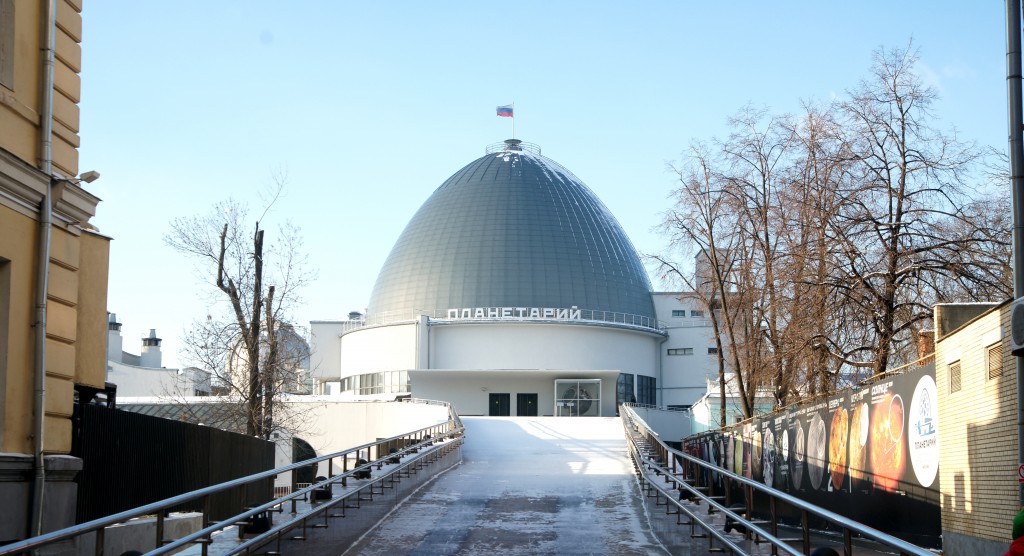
pixel 512 229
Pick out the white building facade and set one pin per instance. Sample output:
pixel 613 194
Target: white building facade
pixel 514 291
pixel 143 374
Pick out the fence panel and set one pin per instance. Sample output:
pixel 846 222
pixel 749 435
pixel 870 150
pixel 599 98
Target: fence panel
pixel 130 459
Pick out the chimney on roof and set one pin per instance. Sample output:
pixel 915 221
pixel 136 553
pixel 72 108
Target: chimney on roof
pixel 151 356
pixel 114 341
pixel 925 343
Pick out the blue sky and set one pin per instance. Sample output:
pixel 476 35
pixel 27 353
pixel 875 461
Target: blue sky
pixel 368 107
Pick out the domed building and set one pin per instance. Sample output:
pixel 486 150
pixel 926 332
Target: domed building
pixel 512 291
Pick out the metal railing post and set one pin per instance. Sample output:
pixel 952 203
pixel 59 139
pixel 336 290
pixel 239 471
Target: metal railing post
pixel 159 528
pixel 805 523
pixel 773 511
pixel 206 521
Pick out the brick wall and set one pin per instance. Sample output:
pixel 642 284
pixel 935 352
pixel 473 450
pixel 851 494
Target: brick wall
pixel 978 428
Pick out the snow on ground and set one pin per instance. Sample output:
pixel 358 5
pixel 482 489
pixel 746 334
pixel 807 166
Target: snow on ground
pixel 527 485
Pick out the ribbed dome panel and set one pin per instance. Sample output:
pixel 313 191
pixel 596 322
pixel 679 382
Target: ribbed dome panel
pixel 512 229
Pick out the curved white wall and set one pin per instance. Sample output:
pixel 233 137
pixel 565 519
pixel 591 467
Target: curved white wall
pixel 542 346
pixel 381 348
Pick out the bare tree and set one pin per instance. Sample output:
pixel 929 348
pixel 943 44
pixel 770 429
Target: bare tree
pixel 828 237
pixel 253 349
pixel 909 189
pixel 817 171
pixel 702 220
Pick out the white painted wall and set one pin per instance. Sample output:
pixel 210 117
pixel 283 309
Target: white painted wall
pixel 683 377
pixel 468 390
pixel 671 426
pixel 525 345
pixel 115 344
pixel 325 349
pixel 331 426
pixel 381 348
pixel 135 381
pixel 541 346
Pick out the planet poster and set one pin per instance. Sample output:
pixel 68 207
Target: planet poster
pixel 880 436
pixel 838 442
pixel 888 453
pixel 817 447
pixel 860 426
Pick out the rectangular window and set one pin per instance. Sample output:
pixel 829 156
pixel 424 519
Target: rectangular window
pixel 712 351
pixel 697 314
pixel 680 351
pixel 624 389
pixel 954 377
pixel 994 360
pixel 646 390
pixel 678 313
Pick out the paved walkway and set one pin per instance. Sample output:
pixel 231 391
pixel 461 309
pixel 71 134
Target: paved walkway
pixel 527 485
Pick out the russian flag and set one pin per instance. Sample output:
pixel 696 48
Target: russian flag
pixel 505 111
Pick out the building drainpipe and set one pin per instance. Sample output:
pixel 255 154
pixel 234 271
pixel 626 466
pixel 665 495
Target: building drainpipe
pixel 43 271
pixel 1016 126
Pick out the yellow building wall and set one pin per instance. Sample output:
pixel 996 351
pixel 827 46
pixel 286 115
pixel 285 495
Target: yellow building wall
pixel 978 430
pixel 17 394
pixel 79 259
pixel 20 107
pixel 91 363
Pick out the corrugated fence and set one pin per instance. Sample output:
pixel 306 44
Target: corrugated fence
pixel 130 460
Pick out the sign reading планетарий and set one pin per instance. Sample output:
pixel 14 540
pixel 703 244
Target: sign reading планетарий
pixel 555 313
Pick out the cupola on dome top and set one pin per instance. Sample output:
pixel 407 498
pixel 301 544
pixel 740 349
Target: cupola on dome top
pixel 512 229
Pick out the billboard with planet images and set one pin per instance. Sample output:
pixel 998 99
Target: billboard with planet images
pixel 879 439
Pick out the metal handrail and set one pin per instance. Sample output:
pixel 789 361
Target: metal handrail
pixel 633 421
pixel 519 147
pixel 439 316
pixel 640 462
pixel 281 528
pixel 264 538
pixel 451 428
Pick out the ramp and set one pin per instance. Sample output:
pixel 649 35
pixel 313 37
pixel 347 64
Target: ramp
pixel 527 485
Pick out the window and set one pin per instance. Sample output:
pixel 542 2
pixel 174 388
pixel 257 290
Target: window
pixel 678 313
pixel 697 314
pixel 680 351
pixel 624 388
pixel 954 377
pixel 712 351
pixel 994 360
pixel 7 43
pixel 646 390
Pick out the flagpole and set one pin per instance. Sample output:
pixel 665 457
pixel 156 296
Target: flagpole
pixel 513 119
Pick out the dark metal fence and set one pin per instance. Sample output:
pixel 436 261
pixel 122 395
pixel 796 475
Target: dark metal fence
pixel 130 460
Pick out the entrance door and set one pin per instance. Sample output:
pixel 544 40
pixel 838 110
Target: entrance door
pixel 526 405
pixel 500 405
